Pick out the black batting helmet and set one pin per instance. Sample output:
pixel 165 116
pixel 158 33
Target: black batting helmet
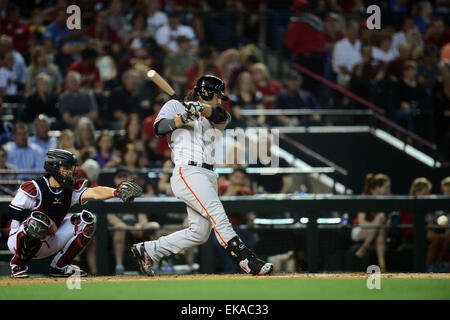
pixel 56 158
pixel 207 85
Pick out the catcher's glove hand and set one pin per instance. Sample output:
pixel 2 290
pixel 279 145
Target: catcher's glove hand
pixel 128 190
pixel 194 108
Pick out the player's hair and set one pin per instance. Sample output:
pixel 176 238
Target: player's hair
pixel 420 184
pixel 191 96
pixel 445 182
pixel 373 181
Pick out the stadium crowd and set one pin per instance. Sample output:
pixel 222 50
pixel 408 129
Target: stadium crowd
pixel 86 90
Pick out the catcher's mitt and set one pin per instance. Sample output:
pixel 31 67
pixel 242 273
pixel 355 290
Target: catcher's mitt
pixel 128 190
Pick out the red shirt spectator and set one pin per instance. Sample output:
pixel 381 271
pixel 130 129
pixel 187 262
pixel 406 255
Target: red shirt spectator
pixel 90 75
pixel 100 30
pixel 304 35
pixel 19 32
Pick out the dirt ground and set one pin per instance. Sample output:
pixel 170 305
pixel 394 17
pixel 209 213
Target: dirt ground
pixel 5 281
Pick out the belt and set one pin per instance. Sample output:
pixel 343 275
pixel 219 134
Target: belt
pixel 203 165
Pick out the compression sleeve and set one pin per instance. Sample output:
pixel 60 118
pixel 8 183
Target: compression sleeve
pixel 164 126
pixel 17 214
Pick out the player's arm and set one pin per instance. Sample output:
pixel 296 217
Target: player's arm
pixel 217 115
pixel 98 193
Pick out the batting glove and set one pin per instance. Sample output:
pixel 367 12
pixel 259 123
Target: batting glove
pixel 193 107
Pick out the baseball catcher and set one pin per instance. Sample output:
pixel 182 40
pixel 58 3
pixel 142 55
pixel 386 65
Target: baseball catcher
pixel 41 223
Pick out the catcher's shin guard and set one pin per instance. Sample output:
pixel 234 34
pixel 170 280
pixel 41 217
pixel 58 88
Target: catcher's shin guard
pixel 247 259
pixel 27 247
pixel 84 224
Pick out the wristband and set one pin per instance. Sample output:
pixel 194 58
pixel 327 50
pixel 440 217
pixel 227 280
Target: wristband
pixel 115 194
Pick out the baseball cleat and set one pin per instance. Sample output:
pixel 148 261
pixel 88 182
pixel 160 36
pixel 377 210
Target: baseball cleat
pixel 255 266
pixel 19 272
pixel 144 260
pixel 67 271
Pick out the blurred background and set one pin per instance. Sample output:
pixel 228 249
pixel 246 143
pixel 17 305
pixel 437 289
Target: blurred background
pixel 358 112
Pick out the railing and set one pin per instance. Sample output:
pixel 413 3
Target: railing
pixel 308 205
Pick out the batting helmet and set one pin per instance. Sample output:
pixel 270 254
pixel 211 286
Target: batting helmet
pixel 56 158
pixel 207 85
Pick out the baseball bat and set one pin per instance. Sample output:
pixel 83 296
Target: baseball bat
pixel 164 85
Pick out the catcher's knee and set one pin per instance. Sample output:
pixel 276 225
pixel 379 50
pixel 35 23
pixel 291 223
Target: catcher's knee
pixel 37 225
pixel 86 221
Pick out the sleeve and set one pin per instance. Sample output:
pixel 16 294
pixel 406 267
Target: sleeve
pixel 169 110
pixel 336 59
pixel 92 102
pixel 28 78
pixel 26 198
pixel 78 190
pixel 3 79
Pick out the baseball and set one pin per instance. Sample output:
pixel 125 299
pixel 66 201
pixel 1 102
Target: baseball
pixel 442 221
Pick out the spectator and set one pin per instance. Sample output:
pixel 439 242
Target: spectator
pixel 70 49
pixel 175 64
pixel 441 116
pixel 305 40
pixel 134 223
pixel 294 97
pixel 376 185
pixel 248 55
pixel 238 184
pixel 382 51
pixel 37 26
pixel 22 154
pixel 66 141
pixel 18 31
pixel 43 101
pixel 445 52
pixel 138 28
pixel 395 67
pixel 245 96
pixel 415 42
pixel 206 64
pixel 39 63
pixel 227 61
pixel 133 135
pixel 8 80
pixel 106 155
pixel 427 68
pixel 56 30
pixel 131 158
pixel 75 102
pixel 436 35
pixel 139 56
pixel 167 34
pixel 164 187
pixel 116 19
pixel 367 73
pixel 105 36
pixel 400 36
pixel 265 84
pixel 424 15
pixel 155 17
pixel 7 188
pixel 126 100
pixel 41 135
pixel 347 54
pixel 409 96
pixel 85 139
pixel 86 67
pixel 419 187
pixel 19 67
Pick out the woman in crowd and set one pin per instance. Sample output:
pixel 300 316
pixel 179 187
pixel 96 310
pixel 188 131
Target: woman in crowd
pixel 370 226
pixel 265 84
pixel 66 141
pixel 106 155
pixel 85 139
pixel 40 63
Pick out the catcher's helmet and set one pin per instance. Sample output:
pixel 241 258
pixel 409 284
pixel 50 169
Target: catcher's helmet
pixel 56 158
pixel 207 85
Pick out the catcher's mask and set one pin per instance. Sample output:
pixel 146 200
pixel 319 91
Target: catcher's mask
pixel 207 85
pixel 61 164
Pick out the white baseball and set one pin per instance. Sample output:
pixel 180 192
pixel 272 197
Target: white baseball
pixel 442 221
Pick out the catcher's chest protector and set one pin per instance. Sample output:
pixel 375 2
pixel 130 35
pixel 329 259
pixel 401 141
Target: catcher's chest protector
pixel 55 205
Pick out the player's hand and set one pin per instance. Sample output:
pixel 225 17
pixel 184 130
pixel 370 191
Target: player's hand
pixel 193 108
pixel 186 118
pixel 128 190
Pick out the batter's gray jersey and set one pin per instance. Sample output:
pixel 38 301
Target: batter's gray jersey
pixel 193 142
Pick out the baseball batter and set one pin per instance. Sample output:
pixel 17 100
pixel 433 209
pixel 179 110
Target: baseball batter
pixel 41 224
pixel 191 129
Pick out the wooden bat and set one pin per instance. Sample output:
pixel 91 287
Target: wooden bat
pixel 165 86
